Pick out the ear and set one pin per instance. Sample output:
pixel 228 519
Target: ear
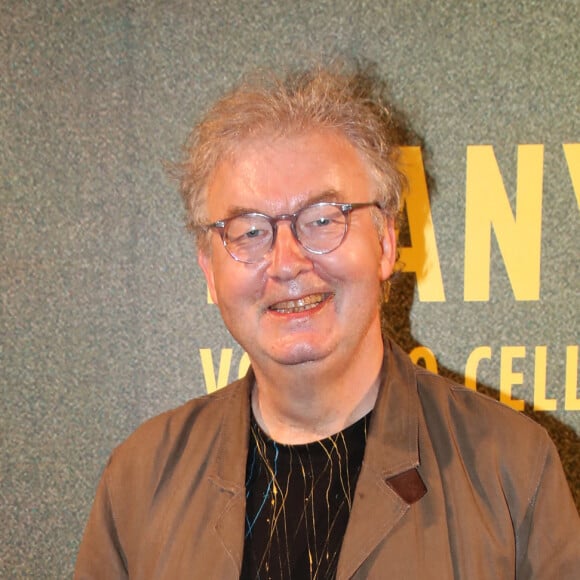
pixel 205 263
pixel 389 247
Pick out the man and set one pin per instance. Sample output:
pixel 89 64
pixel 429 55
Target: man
pixel 335 456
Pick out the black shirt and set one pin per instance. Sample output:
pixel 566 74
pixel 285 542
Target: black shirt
pixel 299 498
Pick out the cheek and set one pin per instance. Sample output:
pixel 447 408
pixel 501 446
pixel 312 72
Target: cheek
pixel 355 263
pixel 237 286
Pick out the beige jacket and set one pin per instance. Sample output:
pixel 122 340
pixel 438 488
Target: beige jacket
pixel 453 485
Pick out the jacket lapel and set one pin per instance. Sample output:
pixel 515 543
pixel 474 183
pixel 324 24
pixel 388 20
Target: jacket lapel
pixel 228 476
pixel 389 482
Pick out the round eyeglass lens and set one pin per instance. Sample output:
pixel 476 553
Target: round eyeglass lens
pixel 248 237
pixel 321 228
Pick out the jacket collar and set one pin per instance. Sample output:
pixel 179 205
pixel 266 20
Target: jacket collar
pixel 392 446
pixel 389 481
pixel 229 469
pixel 230 466
pixel 393 438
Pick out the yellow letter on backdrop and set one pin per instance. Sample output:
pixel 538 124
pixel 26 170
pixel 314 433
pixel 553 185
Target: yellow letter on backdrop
pixel 211 384
pixel 508 377
pixel 422 256
pixel 519 237
pixel 473 361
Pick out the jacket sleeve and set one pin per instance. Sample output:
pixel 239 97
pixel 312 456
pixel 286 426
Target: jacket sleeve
pixel 101 555
pixel 549 536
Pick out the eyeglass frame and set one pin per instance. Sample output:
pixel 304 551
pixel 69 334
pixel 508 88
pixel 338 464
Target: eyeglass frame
pixel 345 208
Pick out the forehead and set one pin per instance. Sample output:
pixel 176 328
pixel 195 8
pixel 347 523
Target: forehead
pixel 280 174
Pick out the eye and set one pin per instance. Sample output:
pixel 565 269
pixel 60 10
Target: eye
pixel 249 235
pixel 248 229
pixel 254 233
pixel 321 222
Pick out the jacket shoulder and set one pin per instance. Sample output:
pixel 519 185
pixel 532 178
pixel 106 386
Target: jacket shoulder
pixel 486 437
pixel 193 425
pixel 472 410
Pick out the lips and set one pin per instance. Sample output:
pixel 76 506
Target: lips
pixel 301 304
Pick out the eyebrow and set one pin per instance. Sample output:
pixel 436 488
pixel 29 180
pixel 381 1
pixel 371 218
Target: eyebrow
pixel 328 195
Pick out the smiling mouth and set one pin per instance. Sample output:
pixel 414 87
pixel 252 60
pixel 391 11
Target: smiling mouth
pixel 301 305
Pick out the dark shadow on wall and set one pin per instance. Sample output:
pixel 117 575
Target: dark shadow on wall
pixel 396 316
pixel 396 313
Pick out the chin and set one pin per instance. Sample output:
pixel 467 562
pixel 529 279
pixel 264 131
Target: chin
pixel 300 354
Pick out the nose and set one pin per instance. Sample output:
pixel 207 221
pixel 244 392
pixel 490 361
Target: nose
pixel 287 258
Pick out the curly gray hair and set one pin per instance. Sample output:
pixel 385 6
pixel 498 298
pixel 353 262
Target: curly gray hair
pixel 322 98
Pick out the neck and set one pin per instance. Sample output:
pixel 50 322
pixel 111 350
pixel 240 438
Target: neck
pixel 305 403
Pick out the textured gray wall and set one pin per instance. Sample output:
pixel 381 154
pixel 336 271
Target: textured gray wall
pixel 104 311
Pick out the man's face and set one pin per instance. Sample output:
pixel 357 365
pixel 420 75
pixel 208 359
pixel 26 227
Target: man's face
pixel 263 304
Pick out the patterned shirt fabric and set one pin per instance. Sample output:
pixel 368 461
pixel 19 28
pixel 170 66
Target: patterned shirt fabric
pixel 299 498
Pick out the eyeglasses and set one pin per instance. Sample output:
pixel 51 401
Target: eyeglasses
pixel 319 228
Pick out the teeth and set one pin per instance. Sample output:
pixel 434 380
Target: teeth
pixel 300 305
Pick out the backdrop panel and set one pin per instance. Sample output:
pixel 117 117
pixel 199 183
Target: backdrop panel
pixel 105 318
